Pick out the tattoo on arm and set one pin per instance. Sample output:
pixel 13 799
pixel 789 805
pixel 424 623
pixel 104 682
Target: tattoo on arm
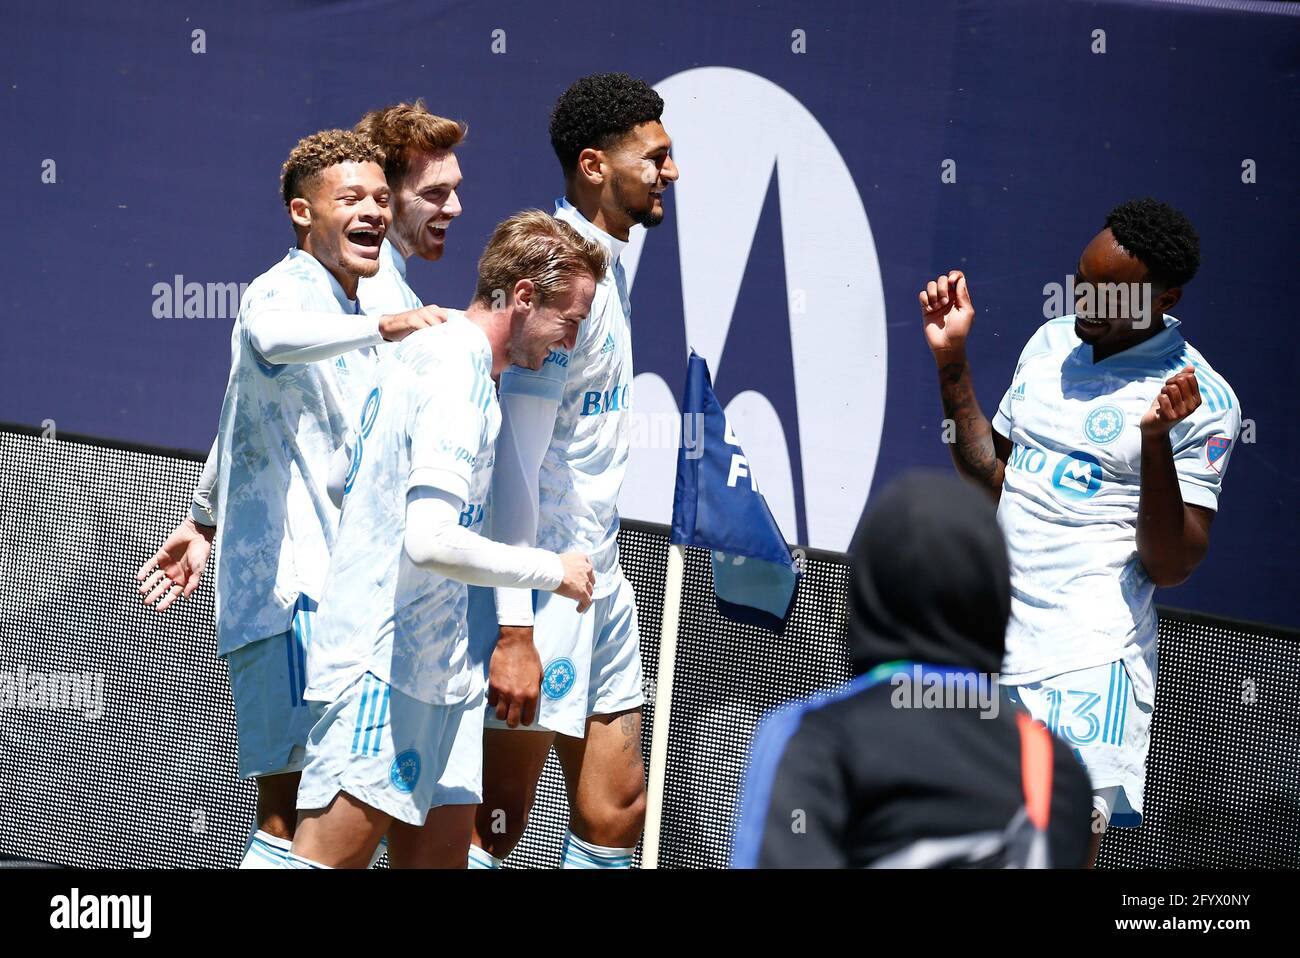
pixel 630 723
pixel 973 450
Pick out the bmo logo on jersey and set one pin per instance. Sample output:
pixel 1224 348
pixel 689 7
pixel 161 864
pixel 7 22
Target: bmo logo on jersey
pixel 1077 476
pixel 596 403
pixel 776 283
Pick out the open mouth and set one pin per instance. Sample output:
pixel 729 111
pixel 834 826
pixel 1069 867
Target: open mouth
pixel 439 233
pixel 1090 323
pixel 367 238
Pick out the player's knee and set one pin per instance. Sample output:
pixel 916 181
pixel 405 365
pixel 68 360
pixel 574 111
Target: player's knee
pixel 614 820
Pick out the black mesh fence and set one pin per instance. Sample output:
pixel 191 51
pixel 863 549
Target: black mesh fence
pixel 117 736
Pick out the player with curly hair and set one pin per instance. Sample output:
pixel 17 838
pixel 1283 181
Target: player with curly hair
pixel 554 676
pixel 1106 457
pixel 302 351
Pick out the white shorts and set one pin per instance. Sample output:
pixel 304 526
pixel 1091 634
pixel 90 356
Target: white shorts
pixel 591 663
pixel 1097 713
pixel 393 752
pixel 267 679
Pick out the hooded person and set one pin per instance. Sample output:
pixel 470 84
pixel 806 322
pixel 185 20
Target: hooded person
pixel 920 761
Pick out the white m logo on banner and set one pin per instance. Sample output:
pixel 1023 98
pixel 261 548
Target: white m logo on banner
pixel 730 129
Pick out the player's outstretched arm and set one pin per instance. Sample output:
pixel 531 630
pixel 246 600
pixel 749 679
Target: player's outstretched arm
pixel 1172 537
pixel 176 569
pixel 978 452
pixel 288 336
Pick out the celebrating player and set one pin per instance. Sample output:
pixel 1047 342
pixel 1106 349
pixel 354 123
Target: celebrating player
pixel 1106 456
pixel 388 664
pixel 423 176
pixel 423 173
pixel 300 352
pixel 554 676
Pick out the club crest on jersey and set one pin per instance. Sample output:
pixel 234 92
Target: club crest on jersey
pixel 1216 448
pixel 405 771
pixel 558 679
pixel 1077 476
pixel 1103 425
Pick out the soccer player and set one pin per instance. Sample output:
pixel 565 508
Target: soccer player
pixel 423 176
pixel 554 676
pixel 423 173
pixel 389 670
pixel 872 780
pixel 300 352
pixel 1106 456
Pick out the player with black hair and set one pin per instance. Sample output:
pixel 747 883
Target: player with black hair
pixel 1106 457
pixel 554 676
pixel 600 112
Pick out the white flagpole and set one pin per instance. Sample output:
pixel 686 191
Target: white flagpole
pixel 663 704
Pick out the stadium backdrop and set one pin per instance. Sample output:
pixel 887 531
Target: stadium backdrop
pixel 813 140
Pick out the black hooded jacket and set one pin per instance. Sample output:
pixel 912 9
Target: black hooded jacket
pixel 870 777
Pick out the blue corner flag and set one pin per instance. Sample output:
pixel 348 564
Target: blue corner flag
pixel 717 506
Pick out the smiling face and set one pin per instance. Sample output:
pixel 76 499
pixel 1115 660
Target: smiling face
pixel 343 218
pixel 1097 320
pixel 536 328
pixel 639 169
pixel 425 203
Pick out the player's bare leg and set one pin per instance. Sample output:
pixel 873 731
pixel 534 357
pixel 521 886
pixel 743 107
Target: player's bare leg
pixel 512 764
pixel 277 804
pixel 605 775
pixel 1094 849
pixel 441 842
pixel 344 834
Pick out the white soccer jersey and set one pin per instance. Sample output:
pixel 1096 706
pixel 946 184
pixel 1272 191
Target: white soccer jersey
pixel 387 293
pixel 582 472
pixel 1080 596
pixel 431 419
pixel 280 425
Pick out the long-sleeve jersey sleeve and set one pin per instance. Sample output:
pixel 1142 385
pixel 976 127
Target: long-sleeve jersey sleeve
pixel 203 503
pixel 527 422
pixel 435 540
pixel 285 336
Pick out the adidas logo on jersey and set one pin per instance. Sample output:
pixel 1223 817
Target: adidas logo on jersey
pixel 1018 392
pixel 609 344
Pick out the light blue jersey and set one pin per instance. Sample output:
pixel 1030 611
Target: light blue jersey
pixel 387 292
pixel 431 419
pixel 280 426
pixel 1080 596
pixel 582 473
